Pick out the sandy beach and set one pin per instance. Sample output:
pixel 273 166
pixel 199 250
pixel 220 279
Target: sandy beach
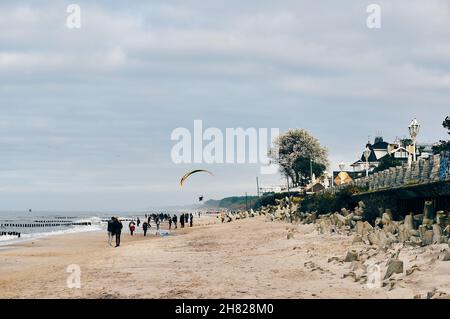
pixel 249 258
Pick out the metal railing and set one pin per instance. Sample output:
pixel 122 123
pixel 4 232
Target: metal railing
pixel 423 171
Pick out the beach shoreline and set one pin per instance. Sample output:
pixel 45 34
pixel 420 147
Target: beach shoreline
pixel 249 258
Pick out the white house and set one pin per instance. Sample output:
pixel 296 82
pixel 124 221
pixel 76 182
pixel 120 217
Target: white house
pixel 378 150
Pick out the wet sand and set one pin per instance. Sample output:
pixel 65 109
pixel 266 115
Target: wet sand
pixel 248 258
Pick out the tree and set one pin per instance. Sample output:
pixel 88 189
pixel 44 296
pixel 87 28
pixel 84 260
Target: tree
pixel 293 151
pixel 443 146
pixel 406 142
pixel 303 166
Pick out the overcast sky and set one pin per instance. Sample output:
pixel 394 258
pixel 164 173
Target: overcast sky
pixel 86 114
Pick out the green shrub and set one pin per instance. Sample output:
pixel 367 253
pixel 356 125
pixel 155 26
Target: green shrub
pixel 328 202
pixel 269 198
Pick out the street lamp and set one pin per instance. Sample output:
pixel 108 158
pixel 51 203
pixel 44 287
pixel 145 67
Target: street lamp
pixel 367 152
pixel 414 128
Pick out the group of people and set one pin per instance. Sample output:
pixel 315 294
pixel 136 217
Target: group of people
pixel 114 230
pixel 184 219
pixel 146 224
pixel 115 225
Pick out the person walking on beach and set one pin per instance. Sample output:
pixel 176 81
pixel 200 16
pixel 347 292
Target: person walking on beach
pixel 132 228
pixel 144 228
pixel 117 230
pixel 138 221
pixel 191 219
pixel 175 219
pixel 110 230
pixel 158 222
pixel 182 220
pixel 170 222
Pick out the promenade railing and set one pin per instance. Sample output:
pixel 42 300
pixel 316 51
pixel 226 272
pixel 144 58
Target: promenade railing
pixel 433 169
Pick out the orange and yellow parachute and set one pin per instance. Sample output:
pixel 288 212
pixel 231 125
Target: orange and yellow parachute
pixel 185 176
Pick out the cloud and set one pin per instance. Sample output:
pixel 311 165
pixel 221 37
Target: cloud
pixel 91 110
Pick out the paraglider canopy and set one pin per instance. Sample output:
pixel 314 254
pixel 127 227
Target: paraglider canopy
pixel 185 176
pixel 200 198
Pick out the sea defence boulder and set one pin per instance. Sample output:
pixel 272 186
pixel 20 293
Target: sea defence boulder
pixel 381 250
pixel 363 229
pixel 359 210
pixel 420 229
pixel 352 255
pixel 394 266
pixel 428 211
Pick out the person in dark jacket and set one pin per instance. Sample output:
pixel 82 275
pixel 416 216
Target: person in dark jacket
pixel 138 221
pixel 110 230
pixel 158 222
pixel 191 219
pixel 182 220
pixel 170 223
pixel 144 228
pixel 117 230
pixel 175 219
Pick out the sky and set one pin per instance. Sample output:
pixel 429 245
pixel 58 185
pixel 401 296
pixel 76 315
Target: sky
pixel 86 115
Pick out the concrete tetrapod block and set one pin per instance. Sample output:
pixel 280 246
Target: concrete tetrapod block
pixel 352 255
pixel 394 266
pixel 427 238
pixel 409 221
pixel 437 234
pixel 445 256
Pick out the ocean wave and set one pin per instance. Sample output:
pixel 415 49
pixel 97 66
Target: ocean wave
pixel 7 237
pixel 96 225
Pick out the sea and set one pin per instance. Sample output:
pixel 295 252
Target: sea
pixel 19 226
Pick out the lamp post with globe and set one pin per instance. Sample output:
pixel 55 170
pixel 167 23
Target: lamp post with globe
pixel 414 128
pixel 366 154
